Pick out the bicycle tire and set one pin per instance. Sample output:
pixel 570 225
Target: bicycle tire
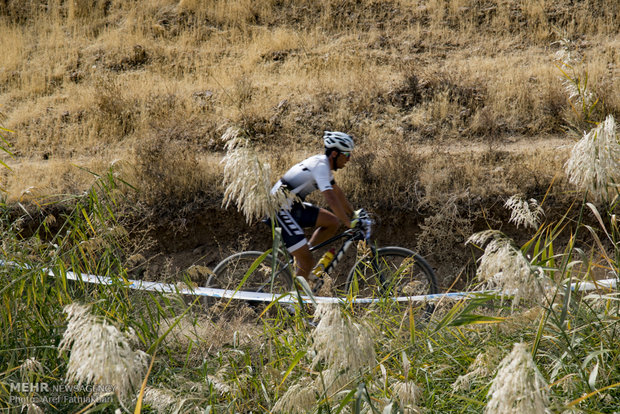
pixel 393 271
pixel 231 271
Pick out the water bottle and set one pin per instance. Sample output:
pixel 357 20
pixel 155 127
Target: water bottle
pixel 324 262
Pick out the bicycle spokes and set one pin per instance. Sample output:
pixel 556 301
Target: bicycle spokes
pixel 390 274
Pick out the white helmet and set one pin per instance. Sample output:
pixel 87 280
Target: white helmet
pixel 338 140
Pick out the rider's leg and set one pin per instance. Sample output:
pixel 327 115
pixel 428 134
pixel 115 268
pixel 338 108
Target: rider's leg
pixel 293 222
pixel 304 260
pixel 327 225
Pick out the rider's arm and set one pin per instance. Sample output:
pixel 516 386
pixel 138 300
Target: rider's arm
pixel 348 208
pixel 336 205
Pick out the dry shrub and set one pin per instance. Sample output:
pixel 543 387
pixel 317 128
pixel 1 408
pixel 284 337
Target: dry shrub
pixel 22 10
pixel 456 185
pixel 84 9
pixel 438 103
pixel 521 95
pixel 235 13
pixel 534 21
pixel 168 173
pixel 12 43
pixel 84 121
pixel 25 10
pixel 329 14
pixel 384 176
pixel 445 174
pixel 483 171
pixel 447 228
pixel 114 108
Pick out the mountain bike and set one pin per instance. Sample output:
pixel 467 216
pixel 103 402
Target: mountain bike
pixel 377 271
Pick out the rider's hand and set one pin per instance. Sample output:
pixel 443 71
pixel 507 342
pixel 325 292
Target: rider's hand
pixel 360 217
pixel 355 219
pixel 354 222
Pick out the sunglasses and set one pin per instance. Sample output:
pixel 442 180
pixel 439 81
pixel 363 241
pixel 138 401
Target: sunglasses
pixel 346 154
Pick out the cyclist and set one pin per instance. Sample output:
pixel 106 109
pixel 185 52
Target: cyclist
pixel 304 178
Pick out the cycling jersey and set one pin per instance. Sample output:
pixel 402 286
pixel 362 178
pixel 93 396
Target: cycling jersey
pixel 302 179
pixel 309 175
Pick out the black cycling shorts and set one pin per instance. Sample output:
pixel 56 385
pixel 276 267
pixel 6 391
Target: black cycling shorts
pixel 293 222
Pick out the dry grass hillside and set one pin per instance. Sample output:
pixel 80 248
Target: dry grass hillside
pixel 456 104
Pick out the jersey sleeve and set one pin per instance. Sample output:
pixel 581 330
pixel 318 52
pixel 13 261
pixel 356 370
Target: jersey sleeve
pixel 323 177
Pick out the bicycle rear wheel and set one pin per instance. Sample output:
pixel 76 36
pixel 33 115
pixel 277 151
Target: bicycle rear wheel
pixel 392 271
pixel 246 272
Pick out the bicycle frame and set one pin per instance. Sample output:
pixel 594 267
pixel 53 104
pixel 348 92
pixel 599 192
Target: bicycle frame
pixel 380 262
pixel 351 237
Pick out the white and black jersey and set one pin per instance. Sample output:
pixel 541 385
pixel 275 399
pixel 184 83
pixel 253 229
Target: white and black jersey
pixel 302 179
pixel 309 175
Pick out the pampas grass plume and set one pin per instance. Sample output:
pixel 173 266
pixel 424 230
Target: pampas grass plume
pixel 29 369
pixel 518 386
pixel 334 338
pixel 594 163
pixel 524 212
pixel 482 367
pixel 100 353
pixel 408 393
pixel 161 400
pixel 503 266
pixel 299 398
pixel 248 180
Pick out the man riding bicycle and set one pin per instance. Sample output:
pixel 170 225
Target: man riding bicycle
pixel 304 178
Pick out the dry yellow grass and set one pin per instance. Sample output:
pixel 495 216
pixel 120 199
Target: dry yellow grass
pixel 435 91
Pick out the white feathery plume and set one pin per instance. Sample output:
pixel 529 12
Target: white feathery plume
pixel 29 369
pixel 332 381
pixel 579 92
pixel 482 367
pixel 299 398
pixel 406 364
pixel 345 348
pixel 219 385
pixel 503 266
pixel 341 343
pixel 518 386
pixel 520 321
pixel 161 400
pixel 594 163
pixel 248 180
pixel 481 237
pixel 564 55
pixel 576 87
pixel 408 393
pixel 100 353
pixel 524 212
pixel 32 408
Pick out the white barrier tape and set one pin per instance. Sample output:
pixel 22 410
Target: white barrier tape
pixel 599 284
pixel 290 297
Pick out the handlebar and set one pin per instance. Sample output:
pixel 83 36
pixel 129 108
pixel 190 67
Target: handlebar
pixel 363 227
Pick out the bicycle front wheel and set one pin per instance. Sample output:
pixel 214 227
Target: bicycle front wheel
pixel 246 271
pixel 391 271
